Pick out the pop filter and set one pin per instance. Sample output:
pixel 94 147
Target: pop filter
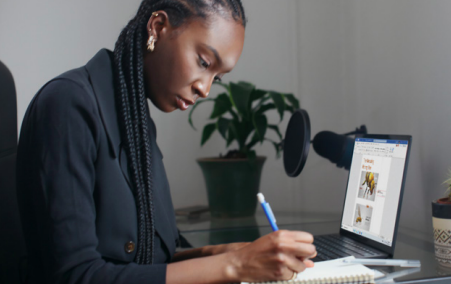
pixel 297 143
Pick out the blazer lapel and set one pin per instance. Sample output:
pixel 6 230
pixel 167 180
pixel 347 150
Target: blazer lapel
pixel 100 71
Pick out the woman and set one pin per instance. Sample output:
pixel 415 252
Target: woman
pixel 92 189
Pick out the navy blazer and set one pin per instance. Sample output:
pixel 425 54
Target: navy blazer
pixel 77 205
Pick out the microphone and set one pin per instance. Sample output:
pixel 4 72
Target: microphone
pixel 335 147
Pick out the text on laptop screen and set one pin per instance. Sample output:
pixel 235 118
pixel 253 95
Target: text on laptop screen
pixel 374 187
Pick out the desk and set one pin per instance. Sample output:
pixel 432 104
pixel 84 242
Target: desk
pixel 206 230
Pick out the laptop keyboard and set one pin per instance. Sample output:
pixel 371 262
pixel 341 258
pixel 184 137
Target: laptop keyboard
pixel 336 246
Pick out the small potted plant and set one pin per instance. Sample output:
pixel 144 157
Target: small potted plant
pixel 239 115
pixel 441 221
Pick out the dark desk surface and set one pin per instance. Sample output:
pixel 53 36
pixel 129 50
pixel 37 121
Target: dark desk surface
pixel 409 245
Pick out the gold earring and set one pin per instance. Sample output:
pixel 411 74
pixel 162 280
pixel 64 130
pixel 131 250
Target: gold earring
pixel 152 39
pixel 151 43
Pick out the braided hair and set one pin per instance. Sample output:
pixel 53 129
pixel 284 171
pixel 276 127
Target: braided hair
pixel 131 98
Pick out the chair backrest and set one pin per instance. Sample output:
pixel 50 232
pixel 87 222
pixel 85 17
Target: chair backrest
pixel 11 236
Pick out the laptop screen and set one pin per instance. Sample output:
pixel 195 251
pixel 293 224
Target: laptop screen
pixel 374 188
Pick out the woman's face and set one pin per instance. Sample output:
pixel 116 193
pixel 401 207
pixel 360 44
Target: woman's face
pixel 187 60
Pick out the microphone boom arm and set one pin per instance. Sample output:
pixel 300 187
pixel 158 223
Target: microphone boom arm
pixel 361 130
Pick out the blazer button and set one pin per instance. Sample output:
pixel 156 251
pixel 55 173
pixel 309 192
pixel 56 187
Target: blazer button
pixel 129 247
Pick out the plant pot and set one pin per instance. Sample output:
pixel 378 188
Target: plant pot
pixel 232 185
pixel 441 222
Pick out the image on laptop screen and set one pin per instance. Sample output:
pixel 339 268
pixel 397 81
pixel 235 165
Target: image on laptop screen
pixel 374 187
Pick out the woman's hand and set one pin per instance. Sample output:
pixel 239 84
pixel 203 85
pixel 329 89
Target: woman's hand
pixel 275 256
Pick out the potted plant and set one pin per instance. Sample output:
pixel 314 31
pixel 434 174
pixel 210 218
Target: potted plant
pixel 239 115
pixel 441 221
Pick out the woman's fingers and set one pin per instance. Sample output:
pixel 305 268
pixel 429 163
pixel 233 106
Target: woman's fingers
pixel 297 236
pixel 302 237
pixel 302 250
pixel 293 250
pixel 275 256
pixel 289 243
pixel 294 264
pixel 308 263
pixel 290 237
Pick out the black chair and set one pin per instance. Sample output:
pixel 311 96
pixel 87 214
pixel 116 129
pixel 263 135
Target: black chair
pixel 12 251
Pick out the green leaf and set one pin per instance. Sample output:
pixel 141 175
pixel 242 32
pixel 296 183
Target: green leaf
pixel 222 105
pixel 234 114
pixel 248 127
pixel 194 107
pixel 289 108
pixel 256 95
pixel 276 129
pixel 231 135
pixel 239 132
pixel 279 102
pixel 277 147
pixel 208 131
pixel 260 124
pixel 264 108
pixel 240 94
pixel 223 125
pixel 226 86
pixel 262 101
pixel 255 139
pixel 246 84
pixel 293 100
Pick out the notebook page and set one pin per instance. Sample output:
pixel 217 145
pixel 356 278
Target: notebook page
pixel 334 271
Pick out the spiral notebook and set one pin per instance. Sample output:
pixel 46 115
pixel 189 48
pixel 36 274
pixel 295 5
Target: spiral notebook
pixel 334 271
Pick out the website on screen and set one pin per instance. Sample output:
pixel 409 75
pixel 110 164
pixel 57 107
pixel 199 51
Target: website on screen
pixel 374 188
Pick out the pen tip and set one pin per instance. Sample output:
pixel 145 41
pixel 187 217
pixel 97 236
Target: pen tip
pixel 260 197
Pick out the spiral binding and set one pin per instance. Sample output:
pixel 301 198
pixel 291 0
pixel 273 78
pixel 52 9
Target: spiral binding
pixel 349 279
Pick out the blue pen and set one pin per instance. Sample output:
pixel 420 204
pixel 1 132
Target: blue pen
pixel 268 211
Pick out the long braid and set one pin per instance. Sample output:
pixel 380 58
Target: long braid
pixel 125 120
pixel 140 110
pixel 138 124
pixel 129 139
pixel 132 102
pixel 147 150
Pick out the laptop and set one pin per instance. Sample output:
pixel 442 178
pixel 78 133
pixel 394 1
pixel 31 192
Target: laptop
pixel 372 205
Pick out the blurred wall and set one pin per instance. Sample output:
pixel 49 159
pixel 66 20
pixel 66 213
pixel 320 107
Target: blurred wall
pixel 386 64
pixel 350 62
